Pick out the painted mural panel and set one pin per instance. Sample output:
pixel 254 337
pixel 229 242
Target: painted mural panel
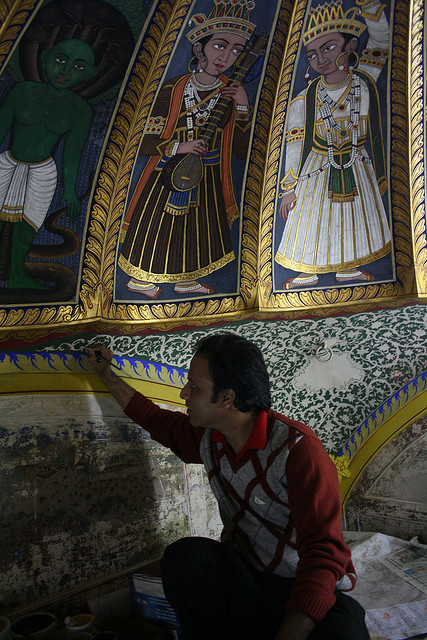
pixel 335 220
pixel 182 228
pixel 174 244
pixel 340 230
pixel 206 159
pixel 58 91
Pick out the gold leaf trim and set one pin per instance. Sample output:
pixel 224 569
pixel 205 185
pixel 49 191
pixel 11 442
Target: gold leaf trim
pixel 13 16
pixel 418 142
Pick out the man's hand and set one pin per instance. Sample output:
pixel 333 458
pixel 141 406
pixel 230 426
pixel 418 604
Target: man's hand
pixel 295 626
pixel 118 388
pixel 99 366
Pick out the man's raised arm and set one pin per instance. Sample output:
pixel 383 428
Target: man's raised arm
pixel 118 388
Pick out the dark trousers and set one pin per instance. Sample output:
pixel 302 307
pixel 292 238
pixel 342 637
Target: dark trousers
pixel 217 595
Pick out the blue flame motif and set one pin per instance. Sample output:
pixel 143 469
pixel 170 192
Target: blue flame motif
pixel 58 359
pixel 401 397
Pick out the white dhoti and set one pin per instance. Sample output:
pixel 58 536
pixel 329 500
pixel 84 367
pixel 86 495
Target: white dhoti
pixel 321 235
pixel 26 189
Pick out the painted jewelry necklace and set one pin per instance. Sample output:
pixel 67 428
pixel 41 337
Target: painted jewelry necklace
pixel 197 110
pixel 327 105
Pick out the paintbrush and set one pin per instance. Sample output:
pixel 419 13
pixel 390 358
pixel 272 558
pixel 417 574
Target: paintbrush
pixel 85 353
pixel 98 356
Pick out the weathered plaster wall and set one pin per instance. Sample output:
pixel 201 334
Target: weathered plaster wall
pixel 391 494
pixel 86 495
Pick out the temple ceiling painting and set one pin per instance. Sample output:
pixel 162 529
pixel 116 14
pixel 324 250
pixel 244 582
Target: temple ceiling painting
pixel 172 164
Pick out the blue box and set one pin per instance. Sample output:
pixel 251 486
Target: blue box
pixel 149 602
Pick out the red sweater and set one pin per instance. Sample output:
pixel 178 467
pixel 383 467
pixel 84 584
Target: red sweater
pixel 279 498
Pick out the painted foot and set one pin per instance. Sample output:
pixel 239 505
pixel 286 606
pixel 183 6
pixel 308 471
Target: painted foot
pixel 25 282
pixel 193 287
pixel 148 289
pixel 359 276
pixel 301 281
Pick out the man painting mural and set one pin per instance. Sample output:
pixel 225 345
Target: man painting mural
pixel 281 567
pixel 38 115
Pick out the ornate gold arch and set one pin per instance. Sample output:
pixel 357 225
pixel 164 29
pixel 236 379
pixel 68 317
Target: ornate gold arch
pixel 417 118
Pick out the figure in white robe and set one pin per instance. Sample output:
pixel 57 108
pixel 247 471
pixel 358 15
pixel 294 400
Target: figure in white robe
pixel 332 189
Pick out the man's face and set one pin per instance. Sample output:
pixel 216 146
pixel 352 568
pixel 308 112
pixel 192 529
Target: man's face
pixel 202 410
pixel 69 63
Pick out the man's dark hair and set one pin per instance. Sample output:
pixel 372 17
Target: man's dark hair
pixel 238 364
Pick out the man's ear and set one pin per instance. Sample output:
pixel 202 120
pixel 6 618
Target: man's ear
pixel 228 397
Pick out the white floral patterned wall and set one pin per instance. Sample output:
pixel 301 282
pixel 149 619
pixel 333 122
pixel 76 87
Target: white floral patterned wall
pixel 373 355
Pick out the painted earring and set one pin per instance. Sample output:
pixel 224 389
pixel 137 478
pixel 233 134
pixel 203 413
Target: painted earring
pixel 191 64
pixel 307 74
pixel 357 60
pixel 202 60
pixel 341 67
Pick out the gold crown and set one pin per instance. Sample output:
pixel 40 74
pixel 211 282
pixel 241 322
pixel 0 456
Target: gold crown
pixel 227 15
pixel 331 17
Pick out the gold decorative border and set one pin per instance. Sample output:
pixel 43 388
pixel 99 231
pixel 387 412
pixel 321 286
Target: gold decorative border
pixel 115 174
pixel 417 118
pixel 333 300
pixel 13 16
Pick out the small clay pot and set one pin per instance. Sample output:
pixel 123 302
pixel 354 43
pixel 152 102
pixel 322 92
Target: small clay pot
pixel 34 626
pixel 79 623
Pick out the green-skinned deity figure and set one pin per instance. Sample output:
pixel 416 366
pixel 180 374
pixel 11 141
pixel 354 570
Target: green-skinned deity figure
pixel 38 115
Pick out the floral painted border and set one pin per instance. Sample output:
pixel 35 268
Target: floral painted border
pixel 47 361
pixel 382 351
